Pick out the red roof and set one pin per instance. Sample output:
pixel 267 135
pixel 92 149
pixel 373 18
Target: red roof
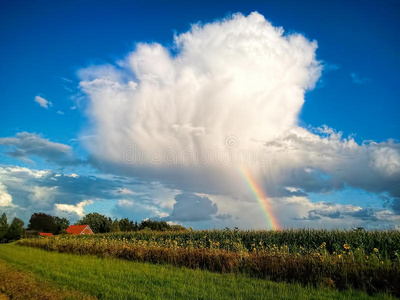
pixel 45 234
pixel 75 229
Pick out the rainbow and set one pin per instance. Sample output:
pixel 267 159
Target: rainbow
pixel 261 198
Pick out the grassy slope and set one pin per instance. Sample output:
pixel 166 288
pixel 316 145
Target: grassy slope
pixel 16 284
pixel 118 279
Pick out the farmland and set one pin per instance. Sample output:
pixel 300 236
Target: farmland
pixel 106 278
pixel 341 260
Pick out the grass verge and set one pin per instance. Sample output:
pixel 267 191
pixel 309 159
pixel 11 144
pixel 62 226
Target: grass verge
pixel 119 279
pixel 15 284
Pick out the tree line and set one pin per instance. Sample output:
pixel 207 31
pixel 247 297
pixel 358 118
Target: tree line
pixel 41 222
pixel 102 224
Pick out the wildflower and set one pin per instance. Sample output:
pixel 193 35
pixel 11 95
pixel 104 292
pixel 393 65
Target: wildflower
pixel 346 246
pixel 339 256
pixel 376 250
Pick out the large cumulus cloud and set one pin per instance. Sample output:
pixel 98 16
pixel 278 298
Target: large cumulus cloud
pixel 240 77
pixel 233 86
pixel 228 86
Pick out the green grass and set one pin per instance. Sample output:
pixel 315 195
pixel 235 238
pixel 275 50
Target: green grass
pixel 119 279
pixel 15 284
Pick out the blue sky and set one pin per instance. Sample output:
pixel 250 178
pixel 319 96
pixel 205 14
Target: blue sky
pixel 46 46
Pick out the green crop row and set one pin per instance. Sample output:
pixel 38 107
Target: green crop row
pixel 296 241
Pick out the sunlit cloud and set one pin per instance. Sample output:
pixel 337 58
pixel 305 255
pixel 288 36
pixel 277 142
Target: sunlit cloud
pixel 229 95
pixel 43 102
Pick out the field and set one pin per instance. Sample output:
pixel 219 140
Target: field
pixel 357 259
pixel 77 276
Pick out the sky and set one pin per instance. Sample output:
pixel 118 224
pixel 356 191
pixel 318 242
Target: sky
pixel 249 114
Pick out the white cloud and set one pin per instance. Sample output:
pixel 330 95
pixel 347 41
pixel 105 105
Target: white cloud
pixel 240 76
pixel 125 191
pixel 43 102
pixel 232 86
pixel 374 167
pixel 77 209
pixel 5 197
pixel 73 175
pixel 21 172
pixel 42 197
pixel 137 210
pixel 60 112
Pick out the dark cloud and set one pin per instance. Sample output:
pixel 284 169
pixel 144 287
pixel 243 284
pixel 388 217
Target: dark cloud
pixel 396 205
pixel 391 203
pixel 365 214
pixel 25 145
pixel 223 217
pixel 327 214
pixel 192 207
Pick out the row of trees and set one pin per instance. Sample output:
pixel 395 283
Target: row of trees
pixel 41 222
pixel 11 232
pixel 102 224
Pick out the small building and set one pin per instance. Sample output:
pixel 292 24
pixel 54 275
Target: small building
pixel 45 234
pixel 79 229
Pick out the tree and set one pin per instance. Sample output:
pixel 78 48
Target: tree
pixel 115 226
pixel 97 222
pixel 62 223
pixel 126 225
pixel 42 222
pixel 3 226
pixel 15 230
pixel 154 225
pixel 177 227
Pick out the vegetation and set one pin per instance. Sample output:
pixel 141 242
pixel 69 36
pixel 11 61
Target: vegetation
pixel 119 279
pixel 14 231
pixel 97 222
pixel 351 266
pixel 3 227
pixel 294 241
pixel 41 222
pixel 62 223
pixel 102 224
pixel 21 285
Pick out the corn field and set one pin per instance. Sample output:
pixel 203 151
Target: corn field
pixel 367 260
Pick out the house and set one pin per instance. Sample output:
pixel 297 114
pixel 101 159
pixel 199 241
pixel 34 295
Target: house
pixel 45 234
pixel 79 229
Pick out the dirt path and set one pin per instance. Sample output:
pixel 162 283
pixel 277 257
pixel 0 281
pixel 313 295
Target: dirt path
pixel 3 296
